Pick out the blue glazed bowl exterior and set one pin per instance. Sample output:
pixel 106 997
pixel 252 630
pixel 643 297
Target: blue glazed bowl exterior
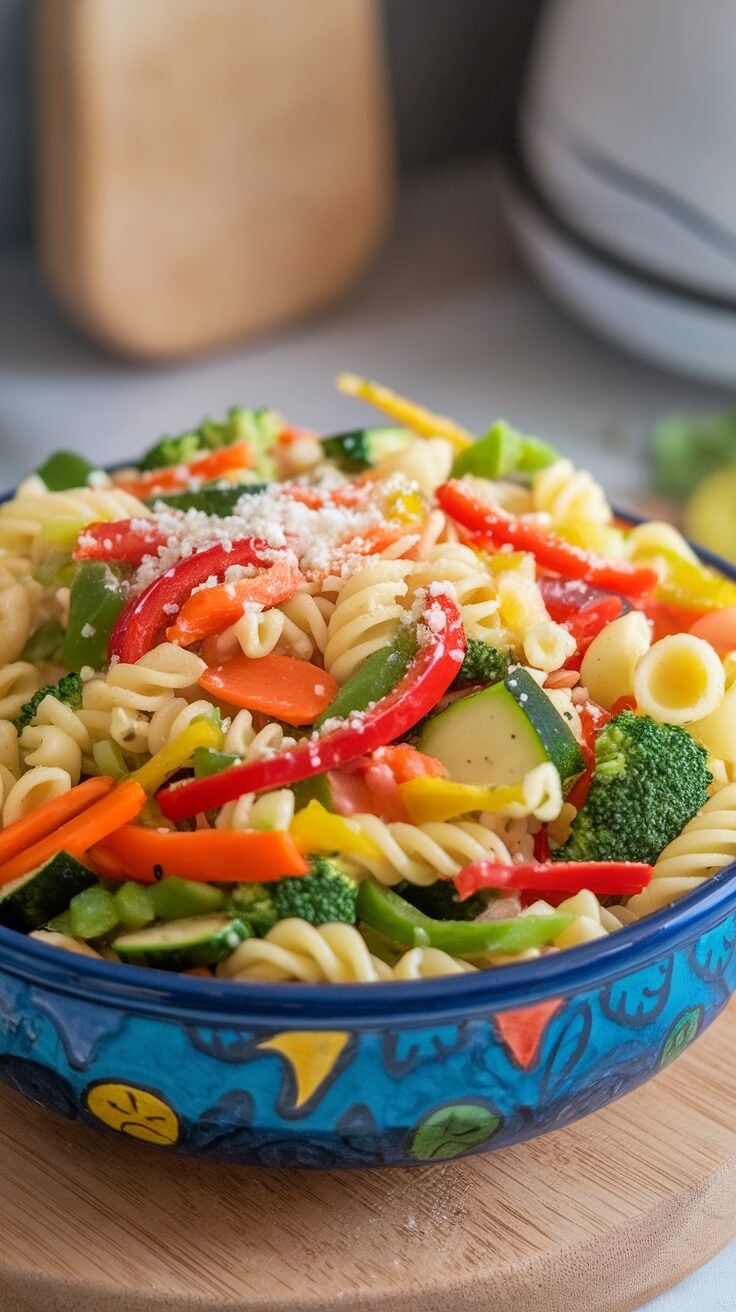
pixel 364 1075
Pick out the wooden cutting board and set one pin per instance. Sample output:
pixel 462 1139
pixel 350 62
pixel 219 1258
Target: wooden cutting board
pixel 206 168
pixel 600 1216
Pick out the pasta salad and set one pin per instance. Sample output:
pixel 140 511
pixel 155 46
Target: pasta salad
pixel 388 704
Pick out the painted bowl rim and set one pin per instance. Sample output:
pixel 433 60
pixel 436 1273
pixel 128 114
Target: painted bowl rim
pixel 189 999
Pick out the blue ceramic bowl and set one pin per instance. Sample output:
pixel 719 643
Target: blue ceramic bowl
pixel 364 1075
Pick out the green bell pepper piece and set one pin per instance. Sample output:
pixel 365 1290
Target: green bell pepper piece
pixel 65 469
pixel 96 600
pixel 388 914
pixel 374 679
pixel 503 450
pixel 208 760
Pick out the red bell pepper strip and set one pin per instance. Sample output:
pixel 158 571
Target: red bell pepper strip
pixel 212 610
pixel 551 552
pixel 177 478
pixel 605 878
pixel 143 622
pixel 428 676
pixel 119 541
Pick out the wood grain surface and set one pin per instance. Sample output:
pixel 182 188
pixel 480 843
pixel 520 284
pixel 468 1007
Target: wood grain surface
pixel 597 1217
pixel 206 168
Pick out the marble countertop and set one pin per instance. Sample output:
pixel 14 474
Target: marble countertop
pixel 446 315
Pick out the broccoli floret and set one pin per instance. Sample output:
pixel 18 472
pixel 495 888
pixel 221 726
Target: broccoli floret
pixel 260 427
pixel 481 664
pixel 254 903
pixel 324 895
pixel 440 901
pixel 67 690
pixel 649 780
pixel 172 451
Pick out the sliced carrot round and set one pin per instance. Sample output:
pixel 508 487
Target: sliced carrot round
pixel 281 686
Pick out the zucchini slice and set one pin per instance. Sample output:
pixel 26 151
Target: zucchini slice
pixel 183 944
pixel 36 898
pixel 497 735
pixel 364 447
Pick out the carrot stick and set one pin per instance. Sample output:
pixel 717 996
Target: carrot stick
pixel 118 807
pixel 224 856
pixel 282 686
pixel 213 609
pixel 50 816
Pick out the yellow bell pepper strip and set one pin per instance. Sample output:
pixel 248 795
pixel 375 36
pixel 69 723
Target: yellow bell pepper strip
pixel 693 587
pixel 404 411
pixel 222 856
pixel 202 732
pixel 314 829
pixel 440 799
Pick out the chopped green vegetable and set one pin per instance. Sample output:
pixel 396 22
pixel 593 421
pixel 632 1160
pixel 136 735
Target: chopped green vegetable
pixel 182 944
pixel 134 905
pixel 64 470
pixel 254 904
pixel 173 898
pixel 68 690
pixel 686 449
pixel 649 780
pixel 503 450
pixel 45 644
pixel 326 894
pixel 108 759
pixel 97 598
pixel 481 664
pixel 57 570
pixel 93 913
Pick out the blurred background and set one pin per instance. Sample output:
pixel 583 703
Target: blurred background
pixel 500 207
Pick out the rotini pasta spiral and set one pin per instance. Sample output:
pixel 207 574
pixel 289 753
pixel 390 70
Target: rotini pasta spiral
pixel 426 462
pixel 707 844
pixel 296 950
pixel 172 719
pixel 366 617
pixel 148 684
pixel 243 739
pixel 476 592
pixel 269 811
pixel 422 854
pixel 18 682
pixel 40 784
pixel 16 617
pixel 56 737
pixel 23 518
pixel 564 492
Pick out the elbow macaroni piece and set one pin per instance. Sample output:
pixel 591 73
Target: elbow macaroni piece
pixel 548 645
pixel 609 664
pixel 148 684
pixel 41 784
pixel 680 679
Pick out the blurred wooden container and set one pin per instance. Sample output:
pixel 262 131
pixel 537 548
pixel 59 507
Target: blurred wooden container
pixel 207 168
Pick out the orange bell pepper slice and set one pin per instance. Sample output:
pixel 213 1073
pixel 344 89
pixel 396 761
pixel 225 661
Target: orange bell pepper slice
pixel 213 609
